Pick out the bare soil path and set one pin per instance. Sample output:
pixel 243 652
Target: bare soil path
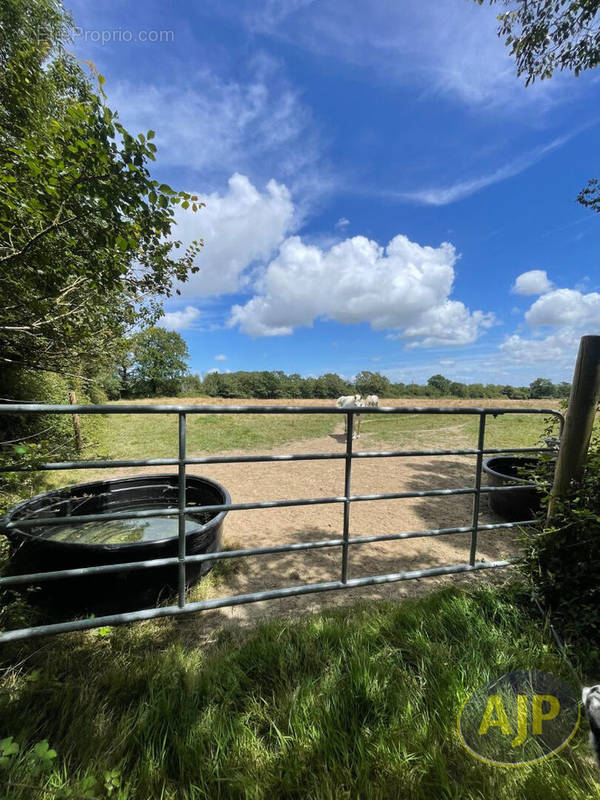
pixel 289 480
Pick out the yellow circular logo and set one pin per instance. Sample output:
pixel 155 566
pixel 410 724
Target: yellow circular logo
pixel 519 718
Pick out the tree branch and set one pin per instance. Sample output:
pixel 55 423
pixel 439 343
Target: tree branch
pixel 53 226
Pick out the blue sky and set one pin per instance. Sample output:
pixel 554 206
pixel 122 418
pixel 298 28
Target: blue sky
pixel 382 192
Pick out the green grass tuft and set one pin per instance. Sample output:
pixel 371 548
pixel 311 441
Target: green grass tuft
pixel 152 436
pixel 360 702
pixel 454 431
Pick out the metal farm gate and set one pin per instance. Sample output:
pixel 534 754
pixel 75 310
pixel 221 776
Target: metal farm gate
pixel 346 498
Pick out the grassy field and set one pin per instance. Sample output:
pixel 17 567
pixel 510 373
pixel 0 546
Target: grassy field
pixel 360 703
pixel 123 436
pixel 141 436
pixel 453 431
pixel 145 436
pixel 149 436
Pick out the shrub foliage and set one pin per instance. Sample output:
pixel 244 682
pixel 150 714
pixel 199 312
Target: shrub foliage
pixel 562 559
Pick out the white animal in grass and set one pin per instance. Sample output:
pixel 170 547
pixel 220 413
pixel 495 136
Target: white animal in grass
pixel 371 400
pixel 351 401
pixel 590 697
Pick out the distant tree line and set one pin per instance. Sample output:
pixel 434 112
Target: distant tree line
pixel 154 363
pixel 329 386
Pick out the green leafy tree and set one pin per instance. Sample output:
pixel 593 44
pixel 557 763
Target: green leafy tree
pixel 125 361
pixel 476 390
pixel 267 385
pixel 330 386
pixel 541 387
pixel 211 384
pixel 372 383
pixel 230 385
pixel 415 390
pixel 292 385
pixel 439 384
pixel 160 358
pixel 493 390
pixel 308 387
pixel 280 385
pixel 457 389
pixel 85 232
pixel 549 35
pixel 191 385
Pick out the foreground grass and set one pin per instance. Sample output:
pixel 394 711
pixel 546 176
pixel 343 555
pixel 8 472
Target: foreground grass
pixel 358 703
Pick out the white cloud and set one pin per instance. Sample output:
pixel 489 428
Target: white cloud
pixel 220 357
pixel 558 348
pixel 342 223
pixel 444 195
pixel 404 287
pixel 437 46
pixel 219 126
pixel 239 227
pixel 450 323
pixel 180 320
pixel 566 308
pixel 558 320
pixel 535 281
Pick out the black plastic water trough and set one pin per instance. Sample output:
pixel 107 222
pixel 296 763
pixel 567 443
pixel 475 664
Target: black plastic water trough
pixel 520 504
pixel 75 545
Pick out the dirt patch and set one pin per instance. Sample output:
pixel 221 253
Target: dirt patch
pixel 306 479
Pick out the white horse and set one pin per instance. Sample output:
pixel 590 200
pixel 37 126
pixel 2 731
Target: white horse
pixel 351 401
pixel 371 400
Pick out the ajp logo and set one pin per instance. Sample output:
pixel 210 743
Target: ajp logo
pixel 519 718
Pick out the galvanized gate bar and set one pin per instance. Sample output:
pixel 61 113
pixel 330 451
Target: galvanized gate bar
pixel 243 599
pixel 35 522
pixel 183 509
pixel 134 408
pixel 132 566
pixel 347 487
pixel 251 459
pixel 477 495
pixel 181 494
pixel 256 551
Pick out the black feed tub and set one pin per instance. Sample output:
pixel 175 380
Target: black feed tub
pixel 520 504
pixel 69 546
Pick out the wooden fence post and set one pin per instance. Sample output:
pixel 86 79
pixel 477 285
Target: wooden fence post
pixel 581 413
pixel 76 428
